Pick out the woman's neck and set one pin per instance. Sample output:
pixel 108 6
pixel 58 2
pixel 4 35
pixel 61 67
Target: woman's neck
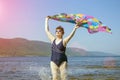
pixel 58 38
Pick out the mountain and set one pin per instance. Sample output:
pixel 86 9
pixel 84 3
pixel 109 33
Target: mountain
pixel 24 47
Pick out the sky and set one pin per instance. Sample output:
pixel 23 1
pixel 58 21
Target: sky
pixel 26 19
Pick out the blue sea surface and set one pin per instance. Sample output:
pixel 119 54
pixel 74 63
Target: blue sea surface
pixel 38 68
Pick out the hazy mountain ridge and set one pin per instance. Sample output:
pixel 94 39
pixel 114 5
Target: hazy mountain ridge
pixel 24 47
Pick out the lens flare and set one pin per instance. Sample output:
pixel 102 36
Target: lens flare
pixel 2 9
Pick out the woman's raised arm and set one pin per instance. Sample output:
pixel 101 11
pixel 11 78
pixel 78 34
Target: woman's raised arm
pixel 49 34
pixel 67 39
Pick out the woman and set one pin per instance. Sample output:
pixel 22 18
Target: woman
pixel 58 57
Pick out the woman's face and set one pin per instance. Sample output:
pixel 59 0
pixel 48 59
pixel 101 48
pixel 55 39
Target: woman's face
pixel 59 33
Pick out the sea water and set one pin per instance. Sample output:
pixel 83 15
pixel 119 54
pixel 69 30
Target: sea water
pixel 38 68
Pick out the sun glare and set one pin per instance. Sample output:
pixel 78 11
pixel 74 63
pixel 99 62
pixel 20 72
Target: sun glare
pixel 1 8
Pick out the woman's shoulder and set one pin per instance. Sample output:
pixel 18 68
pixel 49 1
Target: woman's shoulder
pixel 52 41
pixel 64 43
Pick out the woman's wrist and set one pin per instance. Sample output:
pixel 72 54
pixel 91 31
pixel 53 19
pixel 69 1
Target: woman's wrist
pixel 76 27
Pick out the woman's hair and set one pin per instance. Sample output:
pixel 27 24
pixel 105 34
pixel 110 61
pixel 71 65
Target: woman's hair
pixel 60 28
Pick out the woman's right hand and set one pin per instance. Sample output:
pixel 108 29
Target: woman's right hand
pixel 47 18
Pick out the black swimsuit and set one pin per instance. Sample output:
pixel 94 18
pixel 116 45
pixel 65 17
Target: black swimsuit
pixel 58 53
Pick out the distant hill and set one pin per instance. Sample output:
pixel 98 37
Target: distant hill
pixel 24 47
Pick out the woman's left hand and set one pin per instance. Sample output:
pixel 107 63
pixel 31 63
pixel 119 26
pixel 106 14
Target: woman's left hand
pixel 76 26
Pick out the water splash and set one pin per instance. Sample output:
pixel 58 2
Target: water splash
pixel 42 71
